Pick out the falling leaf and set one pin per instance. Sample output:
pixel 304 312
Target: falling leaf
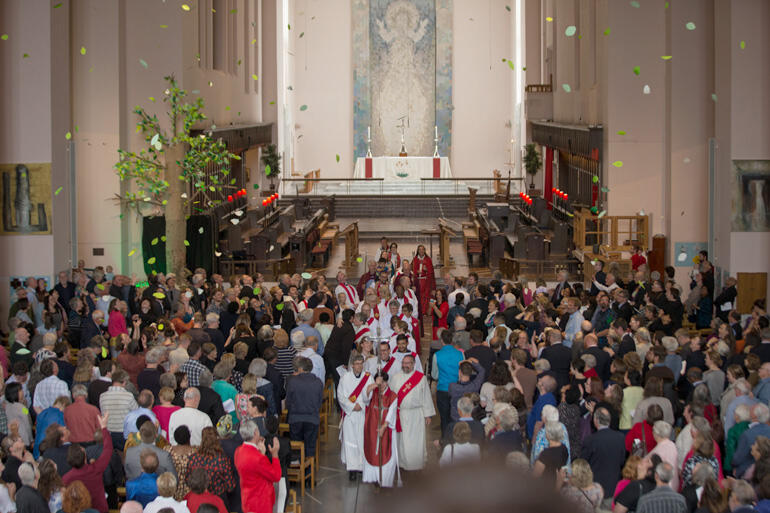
pixel 271 247
pixel 359 260
pixel 186 242
pixel 200 230
pixel 301 35
pixel 621 132
pixel 635 4
pixel 595 179
pixel 185 7
pixel 57 5
pixel 267 170
pixel 607 31
pixel 549 19
pixel 303 108
pixel 637 70
pixel 25 56
pixel 235 220
pixel 68 136
pixel 338 158
pixel 154 241
pixel 602 214
pixel 151 260
pixel 687 160
pixel 690 25
pixel 570 31
pixel 510 64
pixel 290 88
pixel 4 37
pixel 272 102
pixel 666 57
pixel 714 96
pixel 567 88
pixel 238 212
pixel 306 276
pixel 742 45
pixel 254 76
pixel 605 189
pixel 279 306
pixel 618 163
pixel 58 191
pixel 100 286
pixel 211 83
pixel 233 11
pixel 508 8
pixel 646 89
pixel 154 139
pixel 164 26
pixel 158 295
pixel 184 195
pixel 143 63
pixel 82 50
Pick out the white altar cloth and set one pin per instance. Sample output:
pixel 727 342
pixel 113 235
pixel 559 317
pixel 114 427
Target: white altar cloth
pixel 402 168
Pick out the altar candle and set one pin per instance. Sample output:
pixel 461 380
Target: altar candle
pixel 435 130
pixel 369 132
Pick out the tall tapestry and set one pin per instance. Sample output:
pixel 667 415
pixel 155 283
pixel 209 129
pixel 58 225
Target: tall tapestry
pixel 402 54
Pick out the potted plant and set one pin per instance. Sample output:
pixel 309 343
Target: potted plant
pixel 272 161
pixel 532 162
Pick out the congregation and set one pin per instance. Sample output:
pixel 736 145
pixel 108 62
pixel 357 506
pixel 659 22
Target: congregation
pixel 190 392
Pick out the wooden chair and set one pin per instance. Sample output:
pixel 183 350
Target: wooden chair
pixel 291 504
pixel 283 429
pixel 298 472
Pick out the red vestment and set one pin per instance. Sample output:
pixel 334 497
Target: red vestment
pixel 376 416
pixel 426 281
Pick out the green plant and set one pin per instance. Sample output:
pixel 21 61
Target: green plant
pixel 532 161
pixel 173 161
pixel 272 161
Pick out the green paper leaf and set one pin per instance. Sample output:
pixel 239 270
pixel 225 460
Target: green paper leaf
pixel 4 37
pixel 164 26
pixel 303 108
pixel 548 19
pixel 200 230
pixel 267 170
pixel 77 129
pixel 742 45
pixel 306 276
pixel 570 31
pixel 510 64
pixel 233 11
pixel 338 157
pixel 666 57
pixel 302 34
pixel 607 31
pixel 289 25
pixel 272 102
pixel 186 242
pixel 359 260
pixel 254 76
pixel 256 186
pixel 602 214
pixel 131 253
pixel 508 8
pixel 605 189
pixel 185 7
pixel 158 295
pixel 621 132
pixel 57 5
pixel 618 163
pixel 82 50
pixel 714 96
pixel 595 179
pixel 68 136
pixel 637 70
pixel 143 63
pixel 690 25
pixel 567 88
pixel 100 286
pixel 279 306
pixel 58 191
pixel 154 241
pixel 25 56
pixel 151 260
pixel 635 4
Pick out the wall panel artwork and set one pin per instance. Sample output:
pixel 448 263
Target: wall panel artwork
pixel 751 196
pixel 402 74
pixel 25 193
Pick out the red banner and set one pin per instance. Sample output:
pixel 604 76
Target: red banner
pixel 368 167
pixel 436 167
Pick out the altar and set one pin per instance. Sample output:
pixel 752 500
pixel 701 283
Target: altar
pixel 402 168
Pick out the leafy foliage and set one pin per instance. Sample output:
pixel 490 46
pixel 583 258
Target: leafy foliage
pixel 149 170
pixel 272 161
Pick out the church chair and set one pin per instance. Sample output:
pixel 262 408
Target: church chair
pixel 283 429
pixel 291 503
pixel 298 469
pixel 323 426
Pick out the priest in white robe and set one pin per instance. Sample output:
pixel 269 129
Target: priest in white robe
pixel 343 287
pixel 402 349
pixel 415 409
pixel 350 395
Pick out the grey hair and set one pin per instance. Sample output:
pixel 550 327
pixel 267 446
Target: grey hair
pixel 549 414
pixel 553 431
pixel 602 417
pixel 460 323
pixel 762 413
pixel 742 412
pixel 258 367
pixel 248 429
pixel 306 315
pixel 212 317
pixel 661 429
pixel 743 385
pixel 670 344
pixel 205 379
pixel 517 460
pixel 508 419
pixel 665 472
pixel 701 425
pixel 465 406
pixel 27 474
pixel 743 492
pixel 265 333
pixel 702 473
pixel 155 354
pixel 298 338
pixel 192 393
pixel 542 365
pixel 79 391
pixel 589 360
pixel 356 358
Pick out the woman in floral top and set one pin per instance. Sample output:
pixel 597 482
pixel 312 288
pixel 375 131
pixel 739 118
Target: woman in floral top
pixel 212 458
pixel 180 455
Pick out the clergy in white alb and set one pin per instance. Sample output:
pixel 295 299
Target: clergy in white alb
pixel 415 409
pixel 343 287
pixel 350 395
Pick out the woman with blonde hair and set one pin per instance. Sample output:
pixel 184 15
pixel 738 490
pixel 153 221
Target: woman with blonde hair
pixel 462 450
pixel 286 353
pixel 628 474
pixel 580 488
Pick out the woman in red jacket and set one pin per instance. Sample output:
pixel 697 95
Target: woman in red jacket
pixel 257 473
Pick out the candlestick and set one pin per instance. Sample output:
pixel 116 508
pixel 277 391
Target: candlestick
pixel 369 132
pixel 435 129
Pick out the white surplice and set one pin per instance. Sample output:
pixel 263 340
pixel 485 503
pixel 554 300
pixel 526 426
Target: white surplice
pixel 352 429
pixel 396 367
pixel 416 406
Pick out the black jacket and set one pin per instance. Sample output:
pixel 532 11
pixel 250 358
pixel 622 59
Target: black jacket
pixel 337 349
pixel 605 451
pixel 560 358
pixel 304 395
pixel 29 500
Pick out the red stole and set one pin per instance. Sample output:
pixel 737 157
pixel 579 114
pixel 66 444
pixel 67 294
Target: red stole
pixel 376 413
pixel 370 320
pixel 350 291
pixel 357 391
pixel 407 387
pixel 388 365
pixel 360 333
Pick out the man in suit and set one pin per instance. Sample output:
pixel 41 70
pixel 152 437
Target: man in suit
pixel 742 459
pixel 603 361
pixel 605 451
pixel 625 339
pixel 465 414
pixel 563 284
pixel 621 307
pixel 559 356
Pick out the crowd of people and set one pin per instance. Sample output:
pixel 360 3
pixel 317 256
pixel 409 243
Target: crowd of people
pixel 633 394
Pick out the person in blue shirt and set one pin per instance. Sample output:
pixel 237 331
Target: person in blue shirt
pixel 575 321
pixel 444 369
pixel 144 489
pixel 51 415
pixel 305 317
pixel 546 386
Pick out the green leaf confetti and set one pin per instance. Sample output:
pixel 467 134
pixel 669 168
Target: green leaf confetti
pixel 154 241
pixel 186 242
pixel 635 4
pixel 637 70
pixel 143 63
pixel 510 64
pixel 742 45
pixel 621 132
pixel 4 37
pixel 68 135
pixel 690 25
pixel 58 191
pixel 567 88
pixel 151 260
pixel 338 157
pixel 570 31
pixel 607 31
pixel 303 108
pixel 254 76
pixel 618 163
pixel 131 253
pixel 82 50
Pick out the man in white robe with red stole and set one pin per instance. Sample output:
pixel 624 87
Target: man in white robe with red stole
pixel 346 288
pixel 350 395
pixel 415 409
pixel 380 453
pixel 384 361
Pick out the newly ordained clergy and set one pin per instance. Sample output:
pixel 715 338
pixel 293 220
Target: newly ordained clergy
pixel 415 409
pixel 350 395
pixel 380 454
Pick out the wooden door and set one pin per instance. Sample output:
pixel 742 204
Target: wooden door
pixel 751 286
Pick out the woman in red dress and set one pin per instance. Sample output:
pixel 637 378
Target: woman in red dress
pixel 422 267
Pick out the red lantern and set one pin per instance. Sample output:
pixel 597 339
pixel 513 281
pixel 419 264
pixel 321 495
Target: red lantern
pixel 566 196
pixel 230 199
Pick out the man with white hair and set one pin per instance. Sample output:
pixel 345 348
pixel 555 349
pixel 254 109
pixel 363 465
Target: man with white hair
pixel 309 351
pixel 743 459
pixel 461 337
pixel 297 340
pixel 343 287
pixel 562 277
pixel 360 326
pixel 351 397
pixel 742 423
pixel 190 416
pixel 743 395
pixel 662 498
pixel 28 498
pixel 511 311
pixel 212 328
pixel 305 318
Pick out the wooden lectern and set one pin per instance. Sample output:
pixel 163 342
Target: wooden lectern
pixel 443 241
